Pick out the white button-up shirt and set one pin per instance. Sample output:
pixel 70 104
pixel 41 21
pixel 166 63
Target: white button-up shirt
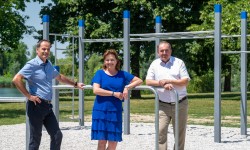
pixel 174 69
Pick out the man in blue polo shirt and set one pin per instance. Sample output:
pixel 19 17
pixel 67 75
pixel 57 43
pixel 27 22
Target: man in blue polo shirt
pixel 39 73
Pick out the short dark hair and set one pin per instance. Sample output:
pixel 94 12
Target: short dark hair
pixel 164 42
pixel 40 42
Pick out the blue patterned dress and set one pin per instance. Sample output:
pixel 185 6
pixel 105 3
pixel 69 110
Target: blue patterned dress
pixel 107 110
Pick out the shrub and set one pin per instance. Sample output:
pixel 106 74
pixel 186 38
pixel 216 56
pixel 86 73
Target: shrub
pixel 6 81
pixel 202 84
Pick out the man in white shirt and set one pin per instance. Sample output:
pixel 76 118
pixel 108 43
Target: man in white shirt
pixel 168 72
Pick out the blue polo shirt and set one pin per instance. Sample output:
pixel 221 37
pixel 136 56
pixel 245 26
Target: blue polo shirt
pixel 39 76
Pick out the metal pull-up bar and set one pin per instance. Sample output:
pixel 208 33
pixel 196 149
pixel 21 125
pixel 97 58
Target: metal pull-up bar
pixel 127 111
pixel 217 72
pixel 216 34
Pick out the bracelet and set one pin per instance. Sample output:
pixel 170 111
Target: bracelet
pixel 113 93
pixel 75 85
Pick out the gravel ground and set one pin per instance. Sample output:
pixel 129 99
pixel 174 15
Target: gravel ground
pixel 12 137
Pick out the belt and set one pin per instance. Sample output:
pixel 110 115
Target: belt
pixel 173 103
pixel 46 101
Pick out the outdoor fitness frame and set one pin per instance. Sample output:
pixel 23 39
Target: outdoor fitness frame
pixel 216 34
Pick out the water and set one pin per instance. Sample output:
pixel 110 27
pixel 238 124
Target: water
pixel 10 92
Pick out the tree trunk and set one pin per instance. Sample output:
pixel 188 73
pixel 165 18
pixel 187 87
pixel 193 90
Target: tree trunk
pixel 134 64
pixel 227 79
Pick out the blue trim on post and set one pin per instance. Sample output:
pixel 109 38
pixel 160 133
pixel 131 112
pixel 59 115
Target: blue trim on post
pixel 45 18
pixel 126 14
pixel 57 68
pixel 158 19
pixel 217 8
pixel 81 23
pixel 243 15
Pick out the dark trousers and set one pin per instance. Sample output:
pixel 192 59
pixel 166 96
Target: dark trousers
pixel 39 115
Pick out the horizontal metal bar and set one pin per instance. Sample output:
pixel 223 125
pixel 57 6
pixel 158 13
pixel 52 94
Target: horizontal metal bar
pixel 141 87
pixel 227 36
pixel 13 99
pixel 116 40
pixel 183 35
pixel 153 36
pixel 64 49
pixel 234 52
pixel 173 33
pixel 63 35
pixel 176 38
pixel 66 92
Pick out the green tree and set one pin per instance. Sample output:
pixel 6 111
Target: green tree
pixel 103 19
pixel 66 67
pixel 33 53
pixel 13 60
pixel 93 64
pixel 12 23
pixel 14 68
pixel 12 28
pixel 202 51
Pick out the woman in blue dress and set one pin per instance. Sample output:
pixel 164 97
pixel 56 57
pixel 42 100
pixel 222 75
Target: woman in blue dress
pixel 111 86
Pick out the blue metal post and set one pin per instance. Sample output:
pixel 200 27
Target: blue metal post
pixel 217 73
pixel 55 98
pixel 81 71
pixel 126 66
pixel 46 27
pixel 243 82
pixel 27 124
pixel 45 20
pixel 158 24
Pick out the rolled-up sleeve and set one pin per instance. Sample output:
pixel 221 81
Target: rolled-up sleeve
pixel 151 72
pixel 183 71
pixel 26 71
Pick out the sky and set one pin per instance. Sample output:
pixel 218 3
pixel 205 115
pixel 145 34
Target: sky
pixel 32 10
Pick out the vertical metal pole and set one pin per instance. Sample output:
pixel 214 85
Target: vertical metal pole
pixel 126 66
pixel 46 27
pixel 73 77
pixel 55 50
pixel 55 98
pixel 156 120
pixel 217 73
pixel 243 82
pixel 158 24
pixel 176 120
pixel 45 36
pixel 81 71
pixel 27 123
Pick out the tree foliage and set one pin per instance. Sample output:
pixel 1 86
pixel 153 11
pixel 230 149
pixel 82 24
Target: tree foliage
pixel 12 28
pixel 103 19
pixel 12 23
pixel 202 51
pixel 12 61
pixel 94 63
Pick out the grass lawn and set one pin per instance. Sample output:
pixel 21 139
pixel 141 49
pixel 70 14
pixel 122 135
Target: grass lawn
pixel 201 110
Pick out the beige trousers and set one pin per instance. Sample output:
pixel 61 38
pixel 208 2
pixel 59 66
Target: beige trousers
pixel 166 114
